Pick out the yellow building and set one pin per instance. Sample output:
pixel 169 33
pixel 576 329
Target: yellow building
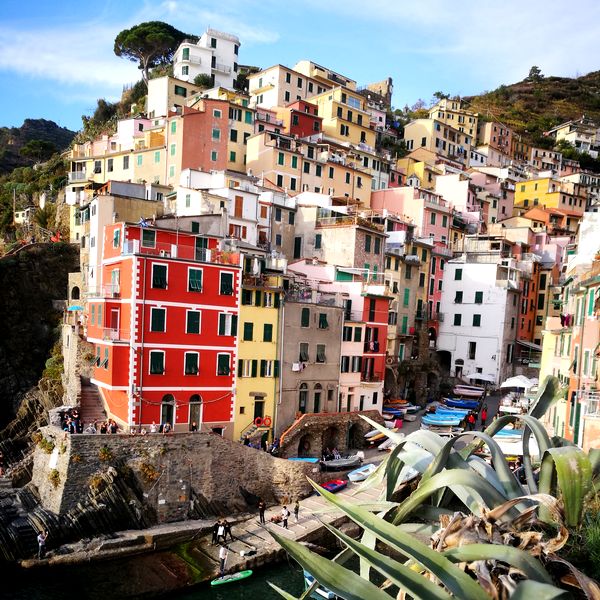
pixel 422 167
pixel 453 112
pixel 443 139
pixel 345 117
pixel 257 385
pixel 565 196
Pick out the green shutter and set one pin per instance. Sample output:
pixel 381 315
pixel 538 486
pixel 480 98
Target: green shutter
pixel 458 275
pixel 93 315
pixel 476 320
pixel 99 315
pixel 406 299
pixel 276 369
pixel 305 317
pixel 240 367
pixel 248 331
pixel 222 322
pixel 195 280
pixel 254 367
pixel 276 300
pixel 234 321
pixel 404 324
pixel 157 319
pixel 590 303
pixel 357 334
pixel 257 298
pixel 323 321
pixel 263 368
pixel 478 297
pixel 159 276
pixel 193 322
pixel 268 333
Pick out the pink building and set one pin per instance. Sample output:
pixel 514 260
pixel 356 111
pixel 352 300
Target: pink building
pixel 501 190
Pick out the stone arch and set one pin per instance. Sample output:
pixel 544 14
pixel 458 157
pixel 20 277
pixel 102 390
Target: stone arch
pixel 303 398
pixel 75 293
pixel 331 438
pixel 305 446
pixel 355 436
pixel 317 398
pixel 167 409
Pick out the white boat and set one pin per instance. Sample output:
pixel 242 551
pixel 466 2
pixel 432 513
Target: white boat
pixel 319 592
pixel 361 473
pixel 339 464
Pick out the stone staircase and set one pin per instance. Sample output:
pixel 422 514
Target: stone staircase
pixel 90 403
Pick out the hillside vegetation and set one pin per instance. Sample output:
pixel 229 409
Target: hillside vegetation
pixel 538 103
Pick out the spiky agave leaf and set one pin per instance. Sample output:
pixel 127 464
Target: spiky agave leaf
pixel 282 593
pixel 528 590
pixel 457 582
pixel 404 577
pixel 571 469
pixel 338 579
pixel 519 559
pixel 548 394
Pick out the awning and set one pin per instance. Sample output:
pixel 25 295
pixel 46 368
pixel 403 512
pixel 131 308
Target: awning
pixel 481 377
pixel 75 307
pixel 530 345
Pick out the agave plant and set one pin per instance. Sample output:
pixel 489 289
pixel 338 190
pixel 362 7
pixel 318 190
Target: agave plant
pixel 489 535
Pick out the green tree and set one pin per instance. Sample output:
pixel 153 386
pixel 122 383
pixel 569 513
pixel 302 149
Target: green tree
pixel 38 150
pixel 203 80
pixel 150 44
pixel 535 74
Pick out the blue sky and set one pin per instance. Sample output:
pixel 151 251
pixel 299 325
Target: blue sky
pixel 56 58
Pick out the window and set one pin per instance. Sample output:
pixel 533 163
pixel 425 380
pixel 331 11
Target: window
pixel 457 319
pixel 377 246
pixel 158 317
pixel 303 355
pixel 476 320
pixel 305 317
pixel 248 331
pixel 458 298
pixel 148 238
pixel 478 297
pixel 192 321
pixel 248 117
pixel 227 324
pixel 125 163
pixel 286 96
pixel 140 160
pixel 223 367
pixel 408 272
pixel 458 275
pixel 347 334
pixel 213 42
pixel 226 284
pixel 357 334
pixel 194 280
pixel 216 134
pixel 432 219
pixel 232 156
pixel 110 165
pixel 406 299
pixel 323 324
pixel 191 363
pixel 318 238
pixel 267 332
pixel 185 70
pixel 185 55
pixel 159 276
pixel 173 126
pixel 472 350
pixel 278 214
pixel 157 362
pixel 116 238
pixel 291 218
pixel 233 135
pixel 321 353
pixel 278 239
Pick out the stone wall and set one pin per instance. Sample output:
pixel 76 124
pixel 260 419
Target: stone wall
pixel 173 472
pixel 312 433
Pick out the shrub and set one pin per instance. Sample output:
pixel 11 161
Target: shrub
pixel 54 477
pixel 97 483
pixel 46 445
pixel 105 454
pixel 149 472
pixel 76 458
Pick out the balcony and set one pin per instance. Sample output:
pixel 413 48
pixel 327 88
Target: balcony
pixel 314 297
pixel 77 176
pixel 328 219
pixel 267 118
pixel 183 251
pixel 370 378
pixel 222 68
pixel 116 335
pixel 420 315
pixel 104 291
pixel 372 346
pixel 591 401
pixel 354 316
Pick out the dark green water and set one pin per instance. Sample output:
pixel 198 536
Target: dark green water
pixel 96 582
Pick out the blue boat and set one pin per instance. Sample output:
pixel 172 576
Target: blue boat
pixel 319 592
pixel 457 412
pixel 441 420
pixel 308 459
pixel 469 404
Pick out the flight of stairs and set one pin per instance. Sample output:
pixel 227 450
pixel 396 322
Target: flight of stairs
pixel 90 403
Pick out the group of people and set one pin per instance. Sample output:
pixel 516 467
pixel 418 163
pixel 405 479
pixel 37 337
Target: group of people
pixel 221 529
pixel 331 454
pixel 108 426
pixel 71 422
pixel 472 418
pixel 282 518
pixel 262 444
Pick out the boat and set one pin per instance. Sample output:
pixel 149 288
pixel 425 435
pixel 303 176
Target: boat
pixel 467 393
pixel 334 485
pixel 338 464
pixel 362 473
pixel 470 404
pixel 308 459
pixel 371 433
pixel 441 420
pixel 319 591
pixel 231 577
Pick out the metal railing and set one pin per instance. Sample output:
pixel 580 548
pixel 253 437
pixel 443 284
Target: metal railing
pixel 184 251
pixel 77 176
pixel 116 335
pixel 221 67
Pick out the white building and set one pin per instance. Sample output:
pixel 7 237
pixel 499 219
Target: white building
pixel 480 305
pixel 215 54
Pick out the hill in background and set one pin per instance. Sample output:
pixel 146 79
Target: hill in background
pixel 38 135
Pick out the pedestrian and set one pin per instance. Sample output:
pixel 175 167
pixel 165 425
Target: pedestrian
pixel 153 427
pixel 222 559
pixel 261 511
pixel 194 426
pixel 296 510
pixel 246 440
pixel 166 428
pixel 471 421
pixel 215 531
pixel 285 515
pixel 227 527
pixel 41 540
pixel 483 416
pixel 221 532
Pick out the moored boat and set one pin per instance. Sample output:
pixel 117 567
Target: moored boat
pixel 231 577
pixel 334 485
pixel 319 591
pixel 338 464
pixel 441 420
pixel 362 473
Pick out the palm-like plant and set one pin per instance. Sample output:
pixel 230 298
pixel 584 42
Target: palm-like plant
pixel 492 537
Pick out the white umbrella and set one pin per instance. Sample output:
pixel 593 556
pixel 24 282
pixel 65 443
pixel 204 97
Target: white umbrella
pixel 520 381
pixel 481 377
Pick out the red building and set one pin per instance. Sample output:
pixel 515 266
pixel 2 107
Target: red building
pixel 375 315
pixel 164 324
pixel 300 118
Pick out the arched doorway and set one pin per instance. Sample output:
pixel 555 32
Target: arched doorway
pixel 445 360
pixel 195 419
pixel 302 398
pixel 304 447
pixel 75 293
pixel 458 367
pixel 330 438
pixel 317 398
pixel 167 410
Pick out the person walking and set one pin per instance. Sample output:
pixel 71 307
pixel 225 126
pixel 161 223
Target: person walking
pixel 221 532
pixel 471 421
pixel 41 540
pixel 296 510
pixel 483 415
pixel 285 515
pixel 261 511
pixel 222 559
pixel 227 527
pixel 215 531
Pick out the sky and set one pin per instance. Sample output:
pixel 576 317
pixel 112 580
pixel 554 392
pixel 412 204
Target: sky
pixel 57 59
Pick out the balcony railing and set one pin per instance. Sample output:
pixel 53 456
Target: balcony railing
pixel 370 377
pixel 183 251
pixel 105 291
pixel 314 297
pixel 77 176
pixel 221 67
pixel 591 399
pixel 116 335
